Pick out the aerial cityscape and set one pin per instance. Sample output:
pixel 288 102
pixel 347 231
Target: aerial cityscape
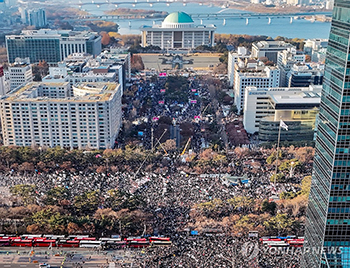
pixel 175 133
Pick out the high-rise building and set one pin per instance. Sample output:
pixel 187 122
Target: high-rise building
pixel 79 67
pixel 328 214
pixel 249 72
pixel 233 57
pixel 2 81
pixel 10 3
pixel 37 17
pixel 48 115
pixel 19 73
pixel 303 75
pixel 269 49
pixel 285 61
pixel 316 49
pixel 51 45
pixel 33 17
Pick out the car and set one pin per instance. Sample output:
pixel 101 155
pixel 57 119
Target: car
pixel 44 265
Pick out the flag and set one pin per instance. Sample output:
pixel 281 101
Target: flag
pixel 283 125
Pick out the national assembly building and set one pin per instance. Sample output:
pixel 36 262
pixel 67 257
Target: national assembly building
pixel 177 31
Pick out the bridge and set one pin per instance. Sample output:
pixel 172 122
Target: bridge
pixel 116 4
pixel 221 15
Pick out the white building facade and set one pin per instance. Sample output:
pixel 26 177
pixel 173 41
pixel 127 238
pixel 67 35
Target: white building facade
pixel 269 49
pixel 258 105
pixel 177 31
pixel 260 77
pixel 19 73
pixel 46 115
pixel 232 60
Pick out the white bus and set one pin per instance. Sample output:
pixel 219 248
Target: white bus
pixel 90 244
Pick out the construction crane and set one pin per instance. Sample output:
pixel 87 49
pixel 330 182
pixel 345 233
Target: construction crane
pixel 188 142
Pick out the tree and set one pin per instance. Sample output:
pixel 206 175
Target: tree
pixel 73 228
pixel 306 185
pixel 280 224
pixel 169 145
pixel 56 195
pixel 280 178
pixel 272 158
pixel 87 203
pixel 26 192
pixel 137 63
pixel 269 207
pixel 26 167
pixel 106 219
pixel 106 39
pixel 289 165
pixel 50 219
pixel 56 155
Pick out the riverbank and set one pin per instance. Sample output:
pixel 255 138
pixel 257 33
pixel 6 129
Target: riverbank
pixel 259 8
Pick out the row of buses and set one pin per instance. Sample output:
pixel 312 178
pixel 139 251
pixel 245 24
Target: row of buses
pixel 50 241
pixel 282 241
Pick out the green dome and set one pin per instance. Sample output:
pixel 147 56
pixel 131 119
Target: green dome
pixel 178 17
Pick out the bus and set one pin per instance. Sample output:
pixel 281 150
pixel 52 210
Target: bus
pixel 153 239
pixel 68 244
pixel 21 243
pixel 161 243
pixel 276 244
pixel 90 244
pixel 44 243
pixel 4 242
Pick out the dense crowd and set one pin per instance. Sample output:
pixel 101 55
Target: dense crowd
pixel 172 192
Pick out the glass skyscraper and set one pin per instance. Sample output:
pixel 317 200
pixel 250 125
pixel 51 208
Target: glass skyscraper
pixel 328 215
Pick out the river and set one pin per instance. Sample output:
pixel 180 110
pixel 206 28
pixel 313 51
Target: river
pixel 278 26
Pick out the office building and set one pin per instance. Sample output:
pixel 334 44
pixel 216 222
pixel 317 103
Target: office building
pixel 3 89
pixel 62 74
pixel 303 75
pixel 264 107
pixel 19 73
pixel 10 3
pixel 316 49
pixel 177 31
pixel 285 61
pixel 249 72
pixel 329 4
pixel 328 214
pixel 269 49
pixel 233 57
pixel 51 46
pixel 47 115
pixel 33 17
pixel 79 67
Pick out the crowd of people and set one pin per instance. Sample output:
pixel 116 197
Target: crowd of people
pixel 173 190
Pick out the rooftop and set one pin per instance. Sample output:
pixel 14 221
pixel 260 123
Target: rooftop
pixel 94 92
pixel 178 17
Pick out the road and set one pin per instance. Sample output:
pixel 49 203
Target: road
pixel 83 258
pixel 219 115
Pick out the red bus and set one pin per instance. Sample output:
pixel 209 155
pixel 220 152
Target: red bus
pixel 68 244
pixel 152 239
pixel 85 239
pixel 21 243
pixel 4 242
pixel 44 243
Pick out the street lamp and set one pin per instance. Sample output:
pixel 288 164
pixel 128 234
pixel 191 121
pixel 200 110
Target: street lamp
pixel 292 167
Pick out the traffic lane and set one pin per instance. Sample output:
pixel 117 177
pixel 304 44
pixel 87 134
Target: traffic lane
pixel 66 265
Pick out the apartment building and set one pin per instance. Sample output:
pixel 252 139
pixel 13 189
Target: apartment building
pixel 47 114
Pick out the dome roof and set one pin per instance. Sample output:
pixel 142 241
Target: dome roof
pixel 178 17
